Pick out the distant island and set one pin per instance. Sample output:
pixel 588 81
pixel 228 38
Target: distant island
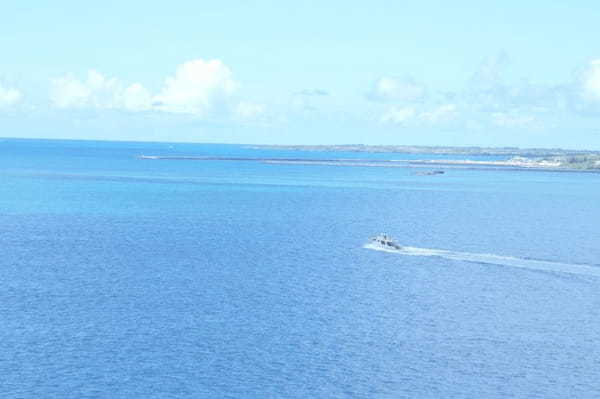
pixel 508 157
pixel 535 158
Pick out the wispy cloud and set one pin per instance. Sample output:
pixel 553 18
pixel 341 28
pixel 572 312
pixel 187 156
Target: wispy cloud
pixel 411 115
pixel 390 89
pixel 9 96
pixel 490 73
pixel 313 92
pixel 491 99
pixel 514 120
pixel 443 113
pixel 398 115
pixel 590 81
pixel 308 100
pixel 249 111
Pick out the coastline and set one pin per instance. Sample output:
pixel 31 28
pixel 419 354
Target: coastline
pixel 527 158
pixel 438 150
pixel 514 164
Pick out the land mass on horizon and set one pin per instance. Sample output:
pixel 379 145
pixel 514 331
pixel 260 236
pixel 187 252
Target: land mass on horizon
pixel 424 149
pixel 535 158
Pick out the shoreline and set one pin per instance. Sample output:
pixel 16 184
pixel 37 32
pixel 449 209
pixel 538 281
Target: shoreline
pixel 438 150
pixel 511 164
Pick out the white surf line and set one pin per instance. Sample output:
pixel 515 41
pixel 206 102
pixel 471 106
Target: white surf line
pixel 531 264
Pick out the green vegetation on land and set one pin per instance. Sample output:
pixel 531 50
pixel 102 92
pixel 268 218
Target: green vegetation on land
pixel 580 161
pixel 411 149
pixel 542 158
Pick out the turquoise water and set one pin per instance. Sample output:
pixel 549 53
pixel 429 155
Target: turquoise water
pixel 124 277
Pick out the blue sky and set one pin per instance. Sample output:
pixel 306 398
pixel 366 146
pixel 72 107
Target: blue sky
pixel 428 72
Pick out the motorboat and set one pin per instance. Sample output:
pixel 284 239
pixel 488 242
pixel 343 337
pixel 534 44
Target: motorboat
pixel 385 241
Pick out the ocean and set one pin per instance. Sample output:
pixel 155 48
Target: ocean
pixel 152 278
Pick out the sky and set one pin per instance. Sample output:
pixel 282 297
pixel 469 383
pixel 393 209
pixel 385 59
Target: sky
pixel 465 73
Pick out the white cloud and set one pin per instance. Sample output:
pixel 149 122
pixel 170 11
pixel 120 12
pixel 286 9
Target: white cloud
pixel 98 91
pixel 488 91
pixel 198 87
pixel 69 92
pixel 387 89
pixel 490 99
pixel 137 98
pixel 9 96
pixel 590 81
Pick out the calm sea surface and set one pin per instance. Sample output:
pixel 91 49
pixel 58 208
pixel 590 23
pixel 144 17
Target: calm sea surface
pixel 130 278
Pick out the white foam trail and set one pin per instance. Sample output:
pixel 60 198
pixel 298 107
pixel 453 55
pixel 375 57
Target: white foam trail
pixel 522 263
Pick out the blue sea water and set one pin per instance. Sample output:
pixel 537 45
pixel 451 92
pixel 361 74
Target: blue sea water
pixel 130 278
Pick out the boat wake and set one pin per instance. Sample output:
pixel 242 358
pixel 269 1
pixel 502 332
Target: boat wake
pixel 523 263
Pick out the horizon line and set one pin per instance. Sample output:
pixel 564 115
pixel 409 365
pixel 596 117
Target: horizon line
pixel 301 145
